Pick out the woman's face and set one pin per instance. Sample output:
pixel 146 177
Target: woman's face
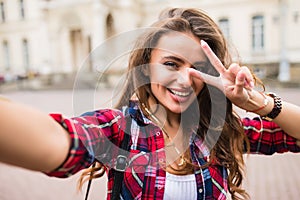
pixel 170 80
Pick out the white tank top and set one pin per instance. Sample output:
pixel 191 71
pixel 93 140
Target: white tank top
pixel 180 187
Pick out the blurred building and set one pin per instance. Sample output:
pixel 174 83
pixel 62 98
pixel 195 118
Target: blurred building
pixel 56 36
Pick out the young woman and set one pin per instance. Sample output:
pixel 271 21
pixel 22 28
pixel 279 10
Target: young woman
pixel 184 139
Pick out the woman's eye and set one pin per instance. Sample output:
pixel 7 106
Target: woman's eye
pixel 171 64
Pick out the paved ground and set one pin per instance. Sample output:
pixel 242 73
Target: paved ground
pixel 268 177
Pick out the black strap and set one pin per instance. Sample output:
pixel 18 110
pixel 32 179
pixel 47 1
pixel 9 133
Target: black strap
pixel 89 184
pixel 121 162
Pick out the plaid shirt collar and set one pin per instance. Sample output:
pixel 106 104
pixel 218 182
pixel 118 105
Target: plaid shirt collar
pixel 135 112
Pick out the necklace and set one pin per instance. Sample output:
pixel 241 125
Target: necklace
pixel 182 160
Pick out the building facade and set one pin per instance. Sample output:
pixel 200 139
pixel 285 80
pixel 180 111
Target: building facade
pixel 58 36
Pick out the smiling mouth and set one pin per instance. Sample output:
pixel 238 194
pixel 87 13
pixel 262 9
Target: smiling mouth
pixel 181 93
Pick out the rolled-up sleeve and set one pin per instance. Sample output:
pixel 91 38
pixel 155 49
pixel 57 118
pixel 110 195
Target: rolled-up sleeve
pixel 91 134
pixel 267 137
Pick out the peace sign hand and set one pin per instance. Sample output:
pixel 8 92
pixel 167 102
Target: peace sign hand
pixel 236 82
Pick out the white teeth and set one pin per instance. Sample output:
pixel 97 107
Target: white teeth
pixel 182 94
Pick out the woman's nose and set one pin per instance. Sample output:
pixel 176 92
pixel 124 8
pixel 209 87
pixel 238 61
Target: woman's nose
pixel 184 78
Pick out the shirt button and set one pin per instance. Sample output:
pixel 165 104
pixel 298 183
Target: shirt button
pixel 200 190
pixel 157 133
pixel 159 187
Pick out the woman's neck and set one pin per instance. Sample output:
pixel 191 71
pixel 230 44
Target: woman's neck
pixel 176 145
pixel 168 121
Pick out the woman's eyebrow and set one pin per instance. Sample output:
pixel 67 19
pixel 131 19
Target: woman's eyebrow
pixel 173 58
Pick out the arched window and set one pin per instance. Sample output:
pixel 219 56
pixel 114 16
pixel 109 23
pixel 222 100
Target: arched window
pixel 258 33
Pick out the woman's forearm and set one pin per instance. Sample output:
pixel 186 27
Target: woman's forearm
pixel 30 138
pixel 289 119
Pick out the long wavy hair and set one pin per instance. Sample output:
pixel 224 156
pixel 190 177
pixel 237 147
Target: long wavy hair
pixel 232 142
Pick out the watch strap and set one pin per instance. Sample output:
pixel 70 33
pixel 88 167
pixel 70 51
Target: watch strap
pixel 276 109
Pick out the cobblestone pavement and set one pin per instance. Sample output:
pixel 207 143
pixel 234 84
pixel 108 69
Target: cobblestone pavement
pixel 268 177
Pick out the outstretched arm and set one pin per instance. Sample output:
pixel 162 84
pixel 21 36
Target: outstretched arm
pixel 237 84
pixel 30 138
pixel 289 119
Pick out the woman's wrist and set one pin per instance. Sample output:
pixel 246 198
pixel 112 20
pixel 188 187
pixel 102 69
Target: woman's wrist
pixel 268 108
pixel 267 105
pixel 259 103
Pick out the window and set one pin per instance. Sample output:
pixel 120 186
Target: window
pixel 25 54
pixel 6 56
pixel 224 26
pixel 258 33
pixel 2 10
pixel 22 10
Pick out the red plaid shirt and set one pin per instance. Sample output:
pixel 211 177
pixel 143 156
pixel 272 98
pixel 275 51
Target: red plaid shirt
pixel 97 135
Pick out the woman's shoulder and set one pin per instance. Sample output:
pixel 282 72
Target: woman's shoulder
pixel 102 112
pixel 103 115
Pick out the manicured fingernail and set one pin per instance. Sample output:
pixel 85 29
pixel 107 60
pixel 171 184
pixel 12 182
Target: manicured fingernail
pixel 203 42
pixel 251 84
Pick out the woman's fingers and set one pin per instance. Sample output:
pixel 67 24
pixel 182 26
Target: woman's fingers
pixel 235 77
pixel 211 80
pixel 234 69
pixel 240 82
pixel 248 77
pixel 214 60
